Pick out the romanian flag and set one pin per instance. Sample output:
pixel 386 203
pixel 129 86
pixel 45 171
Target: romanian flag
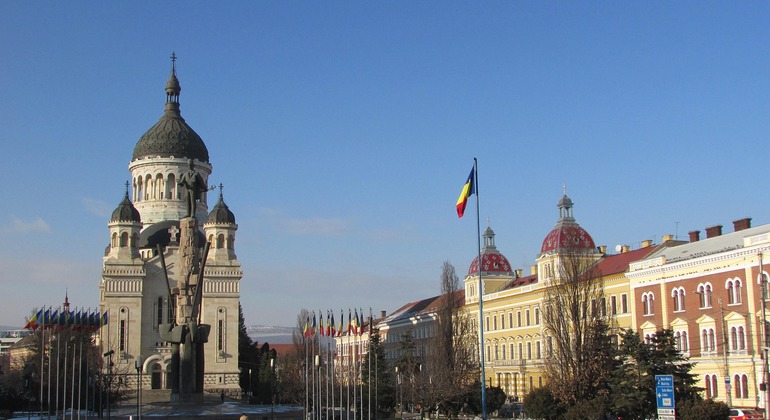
pixel 361 323
pixel 355 322
pixel 341 325
pixel 468 189
pixel 307 326
pixel 313 330
pixel 331 329
pixel 321 329
pixel 350 322
pixel 105 318
pixel 32 322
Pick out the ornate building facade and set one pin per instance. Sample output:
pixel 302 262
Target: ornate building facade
pixel 144 239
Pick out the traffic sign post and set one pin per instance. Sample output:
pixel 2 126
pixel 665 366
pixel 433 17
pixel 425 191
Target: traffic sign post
pixel 664 396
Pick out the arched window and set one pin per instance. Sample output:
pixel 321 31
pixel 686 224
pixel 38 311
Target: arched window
pixel 741 338
pixel 124 239
pixel 737 286
pixel 647 303
pixel 744 386
pixel 685 346
pixel 714 388
pixel 220 241
pixel 114 242
pixel 704 290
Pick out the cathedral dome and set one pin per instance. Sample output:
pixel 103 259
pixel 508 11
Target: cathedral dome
pixel 126 212
pixel 171 136
pixel 567 233
pixel 221 213
pixel 492 261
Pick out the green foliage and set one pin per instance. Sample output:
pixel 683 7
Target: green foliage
pixel 540 403
pixel 594 409
pixel 702 410
pixel 633 385
pixel 379 378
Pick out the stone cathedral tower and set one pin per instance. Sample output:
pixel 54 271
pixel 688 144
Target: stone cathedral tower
pixel 144 234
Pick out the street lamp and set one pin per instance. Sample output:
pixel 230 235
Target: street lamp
pixel 138 366
pixel 272 392
pixel 108 355
pixel 400 395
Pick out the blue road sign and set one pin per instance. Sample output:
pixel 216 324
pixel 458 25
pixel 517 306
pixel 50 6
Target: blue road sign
pixel 664 391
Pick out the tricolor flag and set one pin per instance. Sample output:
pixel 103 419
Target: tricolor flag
pixel 321 329
pixel 355 322
pixel 350 322
pixel 361 323
pixel 32 322
pixel 313 330
pixel 332 329
pixel 305 332
pixel 468 189
pixel 341 325
pixel 105 318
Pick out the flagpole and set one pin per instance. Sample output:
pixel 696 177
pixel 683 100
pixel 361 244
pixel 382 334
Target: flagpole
pixel 50 335
pixel 58 355
pixel 307 363
pixel 42 359
pixel 481 297
pixel 369 358
pixel 347 388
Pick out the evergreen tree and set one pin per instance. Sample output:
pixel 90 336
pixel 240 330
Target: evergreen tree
pixel 633 384
pixel 379 379
pixel 248 357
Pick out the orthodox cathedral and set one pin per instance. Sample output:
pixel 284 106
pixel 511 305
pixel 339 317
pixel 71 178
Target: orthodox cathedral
pixel 142 264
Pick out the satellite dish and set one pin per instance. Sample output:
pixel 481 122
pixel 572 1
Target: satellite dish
pixel 618 248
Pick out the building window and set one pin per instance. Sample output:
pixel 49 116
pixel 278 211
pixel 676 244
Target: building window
pixel 521 352
pixel 704 290
pixel 733 287
pixel 502 321
pixel 680 340
pixel 122 335
pixel 486 321
pixel 678 297
pixel 537 316
pixel 624 303
pixel 741 385
pixel 537 350
pixel 710 381
pixel 613 305
pixel 603 307
pixel 647 303
pixel 503 349
pixel 527 317
pixel 708 341
pixel 160 311
pixel 494 322
pixel 518 319
pixel 529 350
pixel 510 319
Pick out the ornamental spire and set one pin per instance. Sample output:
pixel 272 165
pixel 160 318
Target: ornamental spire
pixel 172 86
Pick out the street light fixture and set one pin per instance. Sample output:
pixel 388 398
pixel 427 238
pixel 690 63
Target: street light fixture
pixel 108 355
pixel 138 366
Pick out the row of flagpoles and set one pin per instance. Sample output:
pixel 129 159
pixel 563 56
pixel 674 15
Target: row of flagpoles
pixel 329 328
pixel 53 318
pixel 59 325
pixel 326 374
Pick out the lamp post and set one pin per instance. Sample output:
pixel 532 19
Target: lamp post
pixel 763 284
pixel 108 355
pixel 272 392
pixel 400 396
pixel 138 366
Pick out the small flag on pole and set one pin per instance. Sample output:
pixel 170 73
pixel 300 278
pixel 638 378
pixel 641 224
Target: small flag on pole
pixel 468 189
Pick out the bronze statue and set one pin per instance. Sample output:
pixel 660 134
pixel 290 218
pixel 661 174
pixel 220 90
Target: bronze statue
pixel 194 185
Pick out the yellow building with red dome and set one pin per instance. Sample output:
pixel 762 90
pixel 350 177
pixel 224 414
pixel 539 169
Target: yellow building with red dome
pixel 516 343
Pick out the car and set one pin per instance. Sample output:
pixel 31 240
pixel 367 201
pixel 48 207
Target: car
pixel 744 414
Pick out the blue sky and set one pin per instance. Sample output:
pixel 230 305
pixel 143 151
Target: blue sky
pixel 343 132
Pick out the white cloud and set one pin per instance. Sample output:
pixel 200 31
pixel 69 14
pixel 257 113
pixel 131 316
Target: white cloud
pixel 24 226
pixel 97 207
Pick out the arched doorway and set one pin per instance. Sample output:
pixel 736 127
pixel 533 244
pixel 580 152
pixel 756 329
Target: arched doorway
pixel 156 375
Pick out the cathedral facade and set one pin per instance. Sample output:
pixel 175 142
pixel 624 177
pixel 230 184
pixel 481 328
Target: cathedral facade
pixel 140 272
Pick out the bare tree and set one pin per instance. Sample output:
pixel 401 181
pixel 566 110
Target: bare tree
pixel 575 326
pixel 453 362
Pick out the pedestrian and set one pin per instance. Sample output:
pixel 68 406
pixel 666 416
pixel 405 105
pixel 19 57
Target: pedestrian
pixel 222 396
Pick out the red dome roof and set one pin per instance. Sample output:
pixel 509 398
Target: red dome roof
pixel 491 263
pixel 567 233
pixel 567 236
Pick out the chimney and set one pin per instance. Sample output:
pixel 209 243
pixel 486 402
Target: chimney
pixel 382 314
pixel 519 272
pixel 742 224
pixel 533 270
pixel 646 243
pixel 694 235
pixel 602 249
pixel 624 249
pixel 713 231
pixel 667 238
